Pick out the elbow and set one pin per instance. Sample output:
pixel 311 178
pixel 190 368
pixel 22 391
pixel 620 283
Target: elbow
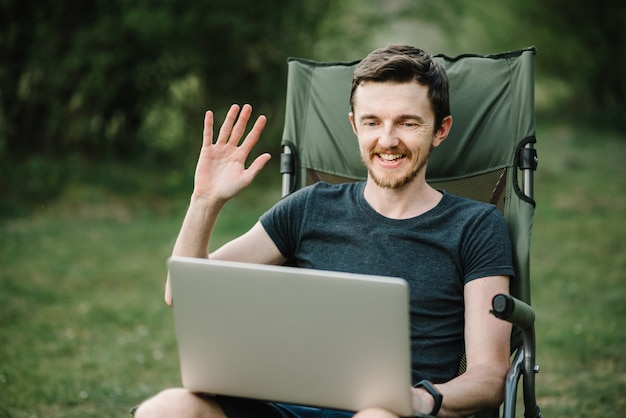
pixel 493 388
pixel 497 398
pixel 498 374
pixel 491 397
pixel 497 394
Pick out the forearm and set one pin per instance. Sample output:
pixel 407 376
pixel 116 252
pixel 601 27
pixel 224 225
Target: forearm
pixel 476 389
pixel 195 233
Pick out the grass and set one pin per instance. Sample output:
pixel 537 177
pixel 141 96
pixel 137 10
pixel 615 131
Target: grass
pixel 579 260
pixel 84 331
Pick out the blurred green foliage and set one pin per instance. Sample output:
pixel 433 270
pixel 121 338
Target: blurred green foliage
pixel 581 48
pixel 84 76
pixel 119 80
pixel 115 80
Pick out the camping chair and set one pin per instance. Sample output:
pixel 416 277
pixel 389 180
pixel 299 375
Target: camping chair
pixel 488 156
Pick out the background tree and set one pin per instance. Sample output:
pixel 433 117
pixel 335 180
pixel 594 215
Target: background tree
pixel 581 47
pixel 82 76
pixel 113 79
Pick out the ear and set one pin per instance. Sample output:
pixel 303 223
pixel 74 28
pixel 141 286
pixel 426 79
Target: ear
pixel 444 130
pixel 351 117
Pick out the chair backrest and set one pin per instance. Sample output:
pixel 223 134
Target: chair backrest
pixel 488 155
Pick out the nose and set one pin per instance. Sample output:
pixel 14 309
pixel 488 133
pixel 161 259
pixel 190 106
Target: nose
pixel 388 137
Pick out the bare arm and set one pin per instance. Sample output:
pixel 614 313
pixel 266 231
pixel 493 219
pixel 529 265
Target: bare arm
pixel 220 175
pixel 487 341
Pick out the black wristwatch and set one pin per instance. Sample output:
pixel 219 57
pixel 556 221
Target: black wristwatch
pixel 437 396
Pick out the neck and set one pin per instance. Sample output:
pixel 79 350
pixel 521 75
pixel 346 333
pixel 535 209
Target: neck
pixel 410 201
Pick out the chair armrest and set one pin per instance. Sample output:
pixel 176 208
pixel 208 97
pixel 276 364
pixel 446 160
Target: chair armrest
pixel 513 310
pixel 521 314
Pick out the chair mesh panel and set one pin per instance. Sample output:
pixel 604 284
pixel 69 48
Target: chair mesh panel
pixel 486 188
pixel 313 176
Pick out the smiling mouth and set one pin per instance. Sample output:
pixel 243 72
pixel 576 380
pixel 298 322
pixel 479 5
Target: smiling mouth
pixel 391 157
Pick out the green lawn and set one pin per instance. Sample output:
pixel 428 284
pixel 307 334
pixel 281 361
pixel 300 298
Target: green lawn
pixel 84 331
pixel 579 286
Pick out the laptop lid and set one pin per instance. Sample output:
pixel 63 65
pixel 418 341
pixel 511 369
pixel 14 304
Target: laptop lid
pixel 308 337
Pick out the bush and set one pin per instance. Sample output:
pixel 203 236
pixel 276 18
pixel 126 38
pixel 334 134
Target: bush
pixel 32 182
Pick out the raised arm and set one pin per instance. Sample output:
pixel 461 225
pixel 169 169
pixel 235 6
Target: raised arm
pixel 220 175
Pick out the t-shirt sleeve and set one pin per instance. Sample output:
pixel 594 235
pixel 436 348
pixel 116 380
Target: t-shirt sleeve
pixel 283 221
pixel 487 248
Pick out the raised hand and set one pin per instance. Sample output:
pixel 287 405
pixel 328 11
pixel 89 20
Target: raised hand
pixel 221 172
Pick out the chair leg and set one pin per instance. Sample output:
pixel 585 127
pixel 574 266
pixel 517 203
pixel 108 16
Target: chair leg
pixel 512 379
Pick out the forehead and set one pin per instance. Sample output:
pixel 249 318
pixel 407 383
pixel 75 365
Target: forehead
pixel 384 98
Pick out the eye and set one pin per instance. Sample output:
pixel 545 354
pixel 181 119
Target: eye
pixel 409 125
pixel 370 123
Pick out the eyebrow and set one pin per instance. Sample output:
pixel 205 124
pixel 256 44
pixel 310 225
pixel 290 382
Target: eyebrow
pixel 417 118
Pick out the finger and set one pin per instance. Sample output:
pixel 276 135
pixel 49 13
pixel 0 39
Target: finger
pixel 227 126
pixel 255 134
pixel 240 126
pixel 207 133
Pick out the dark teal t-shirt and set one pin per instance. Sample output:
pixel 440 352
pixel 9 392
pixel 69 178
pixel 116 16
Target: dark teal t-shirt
pixel 332 227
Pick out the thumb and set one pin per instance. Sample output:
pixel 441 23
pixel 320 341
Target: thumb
pixel 258 164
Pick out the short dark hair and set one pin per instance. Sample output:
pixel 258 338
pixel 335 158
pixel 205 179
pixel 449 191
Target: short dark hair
pixel 401 64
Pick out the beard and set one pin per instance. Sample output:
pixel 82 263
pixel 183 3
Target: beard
pixel 398 178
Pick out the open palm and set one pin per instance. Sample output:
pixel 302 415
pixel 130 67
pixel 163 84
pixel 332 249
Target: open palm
pixel 221 172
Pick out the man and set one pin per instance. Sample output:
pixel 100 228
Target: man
pixel 454 253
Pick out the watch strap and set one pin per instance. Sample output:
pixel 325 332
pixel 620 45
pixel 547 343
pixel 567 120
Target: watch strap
pixel 437 396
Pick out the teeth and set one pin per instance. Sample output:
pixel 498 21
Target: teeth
pixel 390 157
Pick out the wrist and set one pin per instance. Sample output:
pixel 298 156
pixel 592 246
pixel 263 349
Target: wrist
pixel 423 403
pixel 204 201
pixel 431 397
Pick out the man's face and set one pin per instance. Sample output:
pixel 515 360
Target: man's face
pixel 395 126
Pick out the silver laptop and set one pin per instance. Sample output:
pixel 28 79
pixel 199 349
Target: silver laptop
pixel 293 335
